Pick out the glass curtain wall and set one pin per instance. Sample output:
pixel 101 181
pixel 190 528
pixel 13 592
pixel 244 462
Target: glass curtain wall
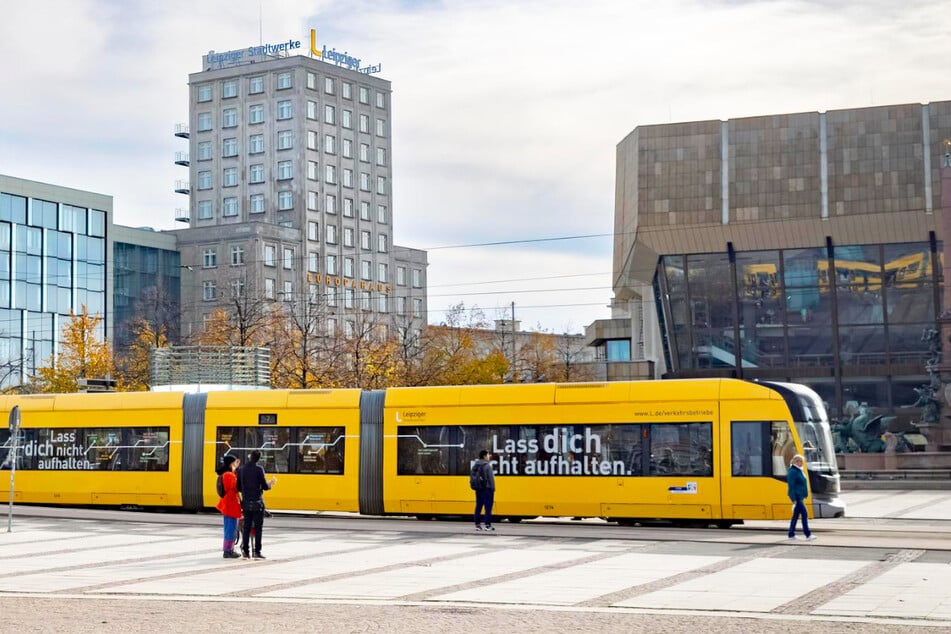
pixel 855 319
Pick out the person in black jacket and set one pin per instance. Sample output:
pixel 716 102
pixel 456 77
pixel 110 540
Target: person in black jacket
pixel 252 484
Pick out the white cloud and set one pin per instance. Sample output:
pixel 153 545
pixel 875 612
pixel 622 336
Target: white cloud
pixel 505 114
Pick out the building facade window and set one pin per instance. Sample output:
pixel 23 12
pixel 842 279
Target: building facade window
pixel 365 270
pixel 311 80
pixel 285 200
pixel 256 173
pixel 285 170
pixel 381 272
pixel 364 210
pixel 229 207
pixel 346 148
pixel 204 210
pixel 229 89
pixel 204 180
pixel 288 258
pixel 329 114
pixel 229 147
pixel 312 110
pixel 381 156
pixel 312 201
pixel 204 121
pixel 285 80
pixel 348 177
pixel 330 174
pixel 329 86
pixel 401 276
pixel 330 144
pixel 348 236
pixel 256 144
pixel 229 118
pixel 331 265
pixel 268 288
pixel 237 255
pixel 381 243
pixel 229 177
pixel 313 262
pixel 365 184
pixel 417 278
pixel 348 207
pixel 380 100
pixel 285 109
pixel 346 90
pixel 364 95
pixel 312 170
pixel 209 258
pixel 255 85
pixel 256 113
pixel 313 231
pixel 330 234
pixel 348 267
pixel 330 204
pixel 204 151
pixel 208 290
pixel 270 255
pixel 256 204
pixel 365 124
pixel 365 240
pixel 204 93
pixel 381 214
pixel 381 185
pixel 381 127
pixel 285 140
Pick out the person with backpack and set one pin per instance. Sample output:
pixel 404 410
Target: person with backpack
pixel 252 483
pixel 229 504
pixel 482 481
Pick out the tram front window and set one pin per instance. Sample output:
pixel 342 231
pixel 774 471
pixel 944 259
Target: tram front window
pixel 815 434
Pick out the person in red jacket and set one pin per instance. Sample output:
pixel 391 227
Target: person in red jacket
pixel 230 504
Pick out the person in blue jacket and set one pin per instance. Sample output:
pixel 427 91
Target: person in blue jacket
pixel 798 491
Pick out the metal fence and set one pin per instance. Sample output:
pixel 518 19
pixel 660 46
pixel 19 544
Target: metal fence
pixel 231 365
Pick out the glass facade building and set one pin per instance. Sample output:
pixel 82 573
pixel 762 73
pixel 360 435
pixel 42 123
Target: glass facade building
pixel 779 314
pixel 53 245
pixel 802 247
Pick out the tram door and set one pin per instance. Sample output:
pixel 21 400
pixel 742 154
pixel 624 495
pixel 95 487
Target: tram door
pixel 753 455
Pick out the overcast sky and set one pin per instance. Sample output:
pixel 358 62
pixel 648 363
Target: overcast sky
pixel 506 114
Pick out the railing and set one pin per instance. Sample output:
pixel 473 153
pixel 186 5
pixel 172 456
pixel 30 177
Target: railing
pixel 181 158
pixel 181 130
pixel 181 215
pixel 195 365
pixel 182 187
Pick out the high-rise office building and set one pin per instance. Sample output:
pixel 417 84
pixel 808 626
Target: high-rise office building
pixel 291 194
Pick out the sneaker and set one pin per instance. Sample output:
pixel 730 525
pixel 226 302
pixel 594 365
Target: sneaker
pixel 245 555
pixel 259 556
pixel 794 538
pixel 489 527
pixel 231 555
pixel 811 538
pixel 479 527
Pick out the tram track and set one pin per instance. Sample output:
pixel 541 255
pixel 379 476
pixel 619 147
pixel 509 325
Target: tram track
pixel 928 534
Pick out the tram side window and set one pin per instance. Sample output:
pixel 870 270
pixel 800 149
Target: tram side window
pixel 422 451
pixel 320 449
pixel 273 443
pixel 90 449
pixel 760 448
pixel 681 449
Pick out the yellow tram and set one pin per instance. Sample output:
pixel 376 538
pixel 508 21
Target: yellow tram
pixel 700 450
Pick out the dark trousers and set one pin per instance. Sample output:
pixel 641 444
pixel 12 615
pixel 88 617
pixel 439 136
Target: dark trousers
pixel 484 499
pixel 253 519
pixel 799 510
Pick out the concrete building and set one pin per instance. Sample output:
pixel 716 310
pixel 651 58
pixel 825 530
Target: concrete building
pixel 53 246
pixel 291 193
pixel 803 247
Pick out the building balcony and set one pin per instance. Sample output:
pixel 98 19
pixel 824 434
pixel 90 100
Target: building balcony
pixel 183 187
pixel 181 158
pixel 181 130
pixel 181 215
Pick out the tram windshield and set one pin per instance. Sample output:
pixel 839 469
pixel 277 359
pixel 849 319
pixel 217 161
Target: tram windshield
pixel 815 433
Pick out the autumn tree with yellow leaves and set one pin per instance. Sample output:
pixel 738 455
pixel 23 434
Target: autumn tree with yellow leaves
pixel 84 354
